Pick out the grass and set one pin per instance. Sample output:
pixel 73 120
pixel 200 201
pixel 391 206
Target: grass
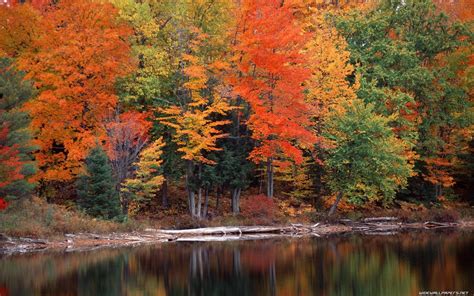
pixel 36 218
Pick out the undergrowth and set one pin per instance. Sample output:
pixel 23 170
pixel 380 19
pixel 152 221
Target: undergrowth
pixel 36 218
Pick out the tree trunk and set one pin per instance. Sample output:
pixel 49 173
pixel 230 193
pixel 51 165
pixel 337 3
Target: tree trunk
pixel 206 202
pixel 199 212
pixel 164 194
pixel 189 174
pixel 334 206
pixel 124 201
pixel 270 177
pixel 192 204
pixel 218 196
pixel 236 200
pixel 437 190
pixel 199 202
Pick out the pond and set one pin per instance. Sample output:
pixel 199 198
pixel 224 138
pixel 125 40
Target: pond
pixel 401 264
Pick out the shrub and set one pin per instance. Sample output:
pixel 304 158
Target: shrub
pixel 259 207
pixel 444 215
pixel 3 204
pixel 35 217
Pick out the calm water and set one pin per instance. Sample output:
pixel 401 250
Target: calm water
pixel 402 264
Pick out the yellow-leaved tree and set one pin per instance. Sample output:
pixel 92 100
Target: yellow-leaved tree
pixel 196 123
pixel 148 176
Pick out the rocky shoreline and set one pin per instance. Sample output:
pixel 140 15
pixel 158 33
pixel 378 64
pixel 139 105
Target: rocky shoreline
pixel 90 241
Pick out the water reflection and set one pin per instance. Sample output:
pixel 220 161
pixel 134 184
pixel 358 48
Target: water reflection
pixel 354 265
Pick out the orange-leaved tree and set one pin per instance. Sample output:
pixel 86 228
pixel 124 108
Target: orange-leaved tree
pixel 270 73
pixel 74 62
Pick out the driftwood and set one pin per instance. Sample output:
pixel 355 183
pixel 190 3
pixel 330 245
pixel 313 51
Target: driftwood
pixel 375 225
pixel 219 230
pixel 292 229
pixel 433 224
pixel 380 219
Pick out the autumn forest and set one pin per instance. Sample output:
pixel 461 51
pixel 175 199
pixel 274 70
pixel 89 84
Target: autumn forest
pixel 233 111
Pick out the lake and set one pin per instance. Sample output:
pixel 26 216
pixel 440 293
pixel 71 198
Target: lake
pixel 401 264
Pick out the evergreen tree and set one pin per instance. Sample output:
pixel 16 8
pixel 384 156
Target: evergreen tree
pixel 96 188
pixel 367 161
pixel 16 149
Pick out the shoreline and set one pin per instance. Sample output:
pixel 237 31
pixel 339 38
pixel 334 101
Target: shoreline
pixel 91 241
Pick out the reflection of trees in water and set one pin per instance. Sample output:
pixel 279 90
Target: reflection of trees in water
pixel 48 271
pixel 365 273
pixel 398 265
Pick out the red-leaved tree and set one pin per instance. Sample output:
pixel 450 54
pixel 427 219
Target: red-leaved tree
pixel 270 76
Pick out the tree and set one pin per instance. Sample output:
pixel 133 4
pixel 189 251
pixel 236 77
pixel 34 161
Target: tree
pixel 148 175
pixel 96 190
pixel 150 83
pixel 164 32
pixel 196 130
pixel 128 134
pixel 195 118
pixel 16 146
pixel 332 83
pixel 269 76
pixel 74 62
pixel 406 55
pixel 367 161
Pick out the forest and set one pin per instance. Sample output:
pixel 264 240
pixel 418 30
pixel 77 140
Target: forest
pixel 184 113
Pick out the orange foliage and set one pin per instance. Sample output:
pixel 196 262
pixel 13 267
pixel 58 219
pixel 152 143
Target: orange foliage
pixel 458 9
pixel 439 171
pixel 75 62
pixel 18 28
pixel 271 72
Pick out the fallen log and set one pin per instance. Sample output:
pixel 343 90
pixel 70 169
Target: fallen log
pixel 433 224
pixel 219 230
pixel 379 219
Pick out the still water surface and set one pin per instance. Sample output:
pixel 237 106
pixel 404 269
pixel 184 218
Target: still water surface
pixel 402 264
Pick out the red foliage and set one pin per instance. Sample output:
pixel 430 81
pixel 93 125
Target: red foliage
pixel 3 206
pixel 10 163
pixel 126 133
pixel 259 206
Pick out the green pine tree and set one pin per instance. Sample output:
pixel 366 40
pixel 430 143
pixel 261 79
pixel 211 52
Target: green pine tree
pixel 96 190
pixel 14 92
